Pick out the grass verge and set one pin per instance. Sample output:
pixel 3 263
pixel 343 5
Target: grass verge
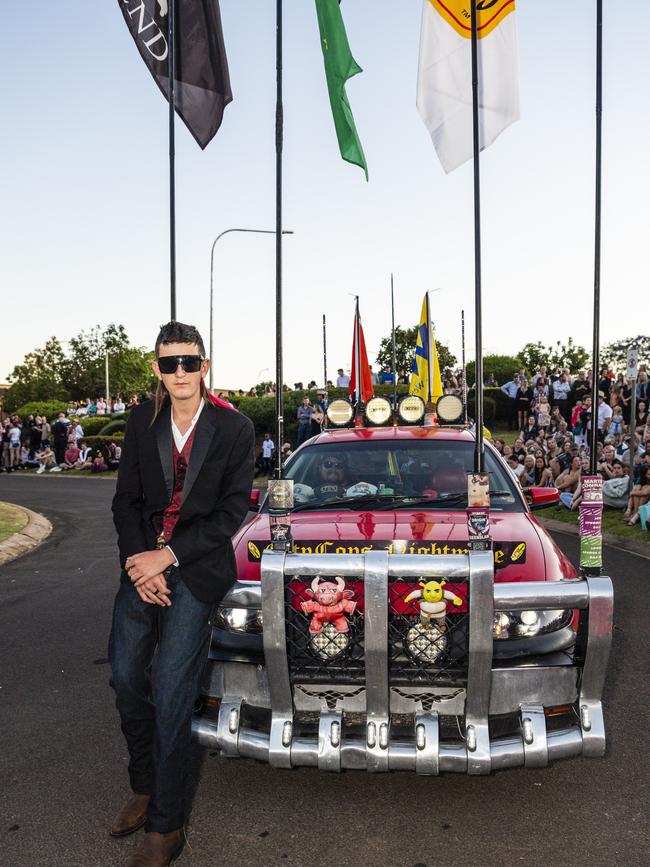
pixel 612 522
pixel 12 520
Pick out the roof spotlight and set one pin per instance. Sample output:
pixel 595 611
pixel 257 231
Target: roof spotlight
pixel 449 409
pixel 378 410
pixel 411 409
pixel 340 412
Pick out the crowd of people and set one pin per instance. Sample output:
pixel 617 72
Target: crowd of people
pixel 553 414
pixel 33 443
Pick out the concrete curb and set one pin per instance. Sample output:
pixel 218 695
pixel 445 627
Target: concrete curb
pixel 37 529
pixel 642 549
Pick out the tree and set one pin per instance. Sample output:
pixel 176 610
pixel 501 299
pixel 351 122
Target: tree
pixel 501 366
pixel 405 342
pixel 614 355
pixel 84 369
pixel 569 355
pixel 49 373
pixel 38 378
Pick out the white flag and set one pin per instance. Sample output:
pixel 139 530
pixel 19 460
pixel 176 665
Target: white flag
pixel 444 94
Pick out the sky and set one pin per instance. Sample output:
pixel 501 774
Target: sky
pixel 84 221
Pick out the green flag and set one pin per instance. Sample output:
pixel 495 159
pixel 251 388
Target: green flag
pixel 339 66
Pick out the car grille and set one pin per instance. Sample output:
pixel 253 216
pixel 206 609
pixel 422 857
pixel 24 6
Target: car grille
pixel 418 656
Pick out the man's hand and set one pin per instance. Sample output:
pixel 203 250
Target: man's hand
pixel 141 567
pixel 155 591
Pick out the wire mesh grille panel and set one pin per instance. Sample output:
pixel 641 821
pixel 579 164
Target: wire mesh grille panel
pixel 324 640
pixel 428 632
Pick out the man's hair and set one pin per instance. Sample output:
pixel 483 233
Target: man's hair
pixel 178 332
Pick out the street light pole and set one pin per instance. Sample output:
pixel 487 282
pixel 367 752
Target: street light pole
pixel 214 244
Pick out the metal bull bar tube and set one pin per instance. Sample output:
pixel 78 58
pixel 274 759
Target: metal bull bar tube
pixel 487 687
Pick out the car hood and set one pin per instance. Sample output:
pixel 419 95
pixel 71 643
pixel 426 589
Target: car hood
pixel 523 549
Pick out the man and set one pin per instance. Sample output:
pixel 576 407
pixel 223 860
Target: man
pixel 342 380
pixel 268 447
pixel 182 491
pixel 60 437
pixel 580 389
pixel 304 421
pixel 373 375
pixel 605 413
pixel 561 390
pixel 386 377
pixel 510 389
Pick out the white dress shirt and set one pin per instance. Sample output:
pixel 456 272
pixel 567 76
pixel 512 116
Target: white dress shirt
pixel 179 438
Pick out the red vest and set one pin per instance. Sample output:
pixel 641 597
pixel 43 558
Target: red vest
pixel 172 512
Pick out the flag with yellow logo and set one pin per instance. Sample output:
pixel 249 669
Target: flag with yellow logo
pixel 425 376
pixel 444 90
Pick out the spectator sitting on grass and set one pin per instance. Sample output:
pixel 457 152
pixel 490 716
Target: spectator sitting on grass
pixel 568 480
pixel 114 455
pixel 25 461
pixel 572 501
pixel 639 496
pixel 71 457
pixel 85 459
pixel 616 488
pixel 46 460
pixel 98 465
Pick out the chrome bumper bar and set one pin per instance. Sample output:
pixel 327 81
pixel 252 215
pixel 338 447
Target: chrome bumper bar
pixel 423 751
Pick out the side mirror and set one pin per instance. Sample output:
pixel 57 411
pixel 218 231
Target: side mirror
pixel 254 501
pixel 542 497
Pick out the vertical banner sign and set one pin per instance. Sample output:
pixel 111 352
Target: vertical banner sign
pixel 591 514
pixel 280 506
pixel 478 512
pixel 632 371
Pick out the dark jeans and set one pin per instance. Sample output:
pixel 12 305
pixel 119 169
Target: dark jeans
pixel 156 713
pixel 268 465
pixel 304 432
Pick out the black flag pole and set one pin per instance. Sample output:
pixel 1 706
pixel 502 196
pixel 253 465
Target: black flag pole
pixel 357 357
pixel 478 414
pixel 171 12
pixel 595 363
pixel 325 358
pixel 392 310
pixel 462 336
pixel 279 395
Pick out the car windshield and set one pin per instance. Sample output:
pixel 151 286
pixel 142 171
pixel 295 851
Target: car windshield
pixel 395 474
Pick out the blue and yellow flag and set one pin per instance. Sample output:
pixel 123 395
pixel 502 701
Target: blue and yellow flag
pixel 425 376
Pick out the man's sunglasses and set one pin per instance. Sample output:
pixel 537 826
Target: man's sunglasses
pixel 332 465
pixel 189 363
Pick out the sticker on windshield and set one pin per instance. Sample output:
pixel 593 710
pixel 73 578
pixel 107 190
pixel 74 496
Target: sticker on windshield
pixel 505 553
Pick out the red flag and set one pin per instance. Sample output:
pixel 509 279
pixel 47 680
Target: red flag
pixel 366 381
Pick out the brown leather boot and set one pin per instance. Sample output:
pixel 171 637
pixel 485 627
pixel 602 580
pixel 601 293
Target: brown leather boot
pixel 157 850
pixel 131 817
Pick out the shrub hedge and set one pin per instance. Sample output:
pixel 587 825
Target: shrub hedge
pixel 49 408
pixel 115 426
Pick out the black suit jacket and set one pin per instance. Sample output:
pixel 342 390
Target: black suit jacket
pixel 215 498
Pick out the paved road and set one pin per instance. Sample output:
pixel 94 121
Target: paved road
pixel 63 766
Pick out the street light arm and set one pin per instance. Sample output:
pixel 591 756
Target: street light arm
pixel 214 244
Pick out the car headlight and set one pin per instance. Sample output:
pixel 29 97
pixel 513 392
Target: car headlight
pixel 248 620
pixel 528 624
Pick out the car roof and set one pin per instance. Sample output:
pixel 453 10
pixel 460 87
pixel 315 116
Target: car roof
pixel 413 432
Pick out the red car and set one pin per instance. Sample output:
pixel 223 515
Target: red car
pixel 379 642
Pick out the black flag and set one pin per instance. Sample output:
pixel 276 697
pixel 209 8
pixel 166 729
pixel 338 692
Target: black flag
pixel 202 83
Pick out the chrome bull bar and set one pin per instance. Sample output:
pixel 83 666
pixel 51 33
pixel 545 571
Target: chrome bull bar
pixel 423 752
